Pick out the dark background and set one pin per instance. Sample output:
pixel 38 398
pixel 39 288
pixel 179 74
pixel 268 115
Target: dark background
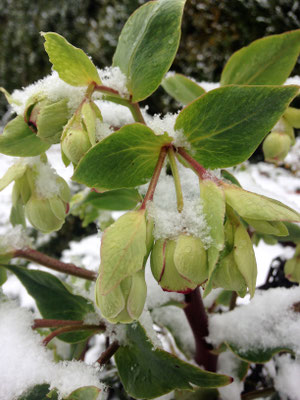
pixel 212 31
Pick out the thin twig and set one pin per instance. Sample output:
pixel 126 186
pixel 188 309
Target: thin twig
pixel 67 329
pixel 53 263
pixel 108 353
pixel 176 178
pixel 54 323
pixel 155 176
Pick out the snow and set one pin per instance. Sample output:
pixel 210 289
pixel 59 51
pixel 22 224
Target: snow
pixel 114 114
pixel 28 362
pixel 53 88
pixel 114 78
pixel 268 321
pixel 228 364
pixel 13 239
pixel 169 223
pixel 286 381
pixel 46 184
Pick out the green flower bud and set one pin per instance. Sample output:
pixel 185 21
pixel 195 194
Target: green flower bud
pixel 179 265
pixel 41 215
pixel 236 269
pixel 125 303
pixel 292 267
pixel 292 115
pixel 47 118
pixel 75 143
pixel 276 146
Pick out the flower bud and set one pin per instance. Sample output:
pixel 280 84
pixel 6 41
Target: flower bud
pixel 237 269
pixel 292 267
pixel 125 303
pixel 75 143
pixel 47 118
pixel 179 265
pixel 292 115
pixel 276 146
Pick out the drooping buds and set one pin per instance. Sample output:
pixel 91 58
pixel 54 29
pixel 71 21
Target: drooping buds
pixel 237 268
pixel 179 265
pixel 39 194
pixel 121 287
pixel 125 303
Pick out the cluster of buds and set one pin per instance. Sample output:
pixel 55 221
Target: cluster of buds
pixel 46 211
pixel 278 143
pixel 121 287
pixel 79 134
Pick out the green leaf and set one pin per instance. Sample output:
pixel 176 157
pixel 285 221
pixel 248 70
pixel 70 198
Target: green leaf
pixel 37 392
pixel 14 172
pixel 125 159
pixel 18 140
pixel 84 393
pixel 72 64
pixel 226 125
pixel 114 200
pixel 258 207
pixel 258 355
pixel 51 120
pixel 147 373
pixel 213 202
pixel 267 61
pixel 53 299
pixel 9 97
pixel 123 248
pixel 183 89
pixel 148 44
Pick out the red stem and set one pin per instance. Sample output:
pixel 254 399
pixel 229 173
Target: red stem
pixel 198 168
pixel 54 323
pixel 197 318
pixel 53 263
pixel 66 329
pixel 106 89
pixel 155 176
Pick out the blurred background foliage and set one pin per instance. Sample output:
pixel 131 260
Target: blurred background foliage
pixel 212 31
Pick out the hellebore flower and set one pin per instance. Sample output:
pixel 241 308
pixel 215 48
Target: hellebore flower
pixel 179 265
pixel 121 287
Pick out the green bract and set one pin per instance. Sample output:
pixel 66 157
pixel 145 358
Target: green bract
pixel 126 302
pixel 292 266
pixel 123 248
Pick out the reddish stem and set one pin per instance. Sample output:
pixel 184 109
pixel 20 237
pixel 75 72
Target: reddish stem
pixel 106 89
pixel 197 317
pixel 54 323
pixel 108 353
pixel 198 168
pixel 53 263
pixel 66 329
pixel 155 176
